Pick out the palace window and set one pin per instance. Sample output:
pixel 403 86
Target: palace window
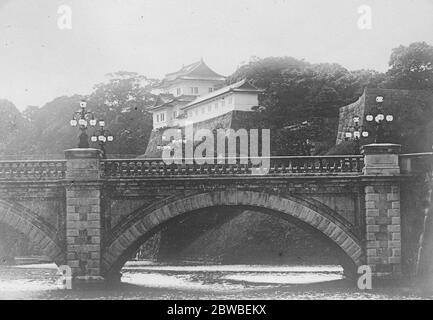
pixel 223 103
pixel 216 106
pixel 178 91
pixel 194 90
pixel 210 89
pixel 162 117
pixel 209 108
pixel 157 118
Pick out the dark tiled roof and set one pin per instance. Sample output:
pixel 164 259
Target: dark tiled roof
pixel 168 100
pixel 196 70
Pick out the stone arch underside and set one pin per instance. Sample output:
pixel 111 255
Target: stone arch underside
pixel 40 234
pixel 132 234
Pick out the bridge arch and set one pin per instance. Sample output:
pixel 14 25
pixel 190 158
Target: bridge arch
pixel 127 238
pixel 33 227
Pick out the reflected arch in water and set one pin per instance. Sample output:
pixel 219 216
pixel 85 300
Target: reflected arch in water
pixel 28 223
pixel 127 237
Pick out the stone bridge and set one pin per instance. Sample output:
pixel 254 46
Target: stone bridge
pixel 93 214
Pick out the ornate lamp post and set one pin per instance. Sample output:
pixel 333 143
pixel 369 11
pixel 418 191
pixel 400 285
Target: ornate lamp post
pixel 83 118
pixel 356 134
pixel 102 136
pixel 379 118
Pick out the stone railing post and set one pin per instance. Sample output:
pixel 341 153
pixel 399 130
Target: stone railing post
pixel 83 213
pixel 382 209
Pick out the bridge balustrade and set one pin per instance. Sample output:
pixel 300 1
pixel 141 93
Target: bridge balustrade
pixel 277 166
pixel 33 170
pixel 122 168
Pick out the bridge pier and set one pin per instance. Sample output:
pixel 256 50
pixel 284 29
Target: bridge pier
pixel 83 214
pixel 382 209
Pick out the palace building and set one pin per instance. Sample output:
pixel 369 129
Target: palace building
pixel 196 93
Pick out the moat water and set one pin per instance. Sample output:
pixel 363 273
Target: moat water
pixel 149 280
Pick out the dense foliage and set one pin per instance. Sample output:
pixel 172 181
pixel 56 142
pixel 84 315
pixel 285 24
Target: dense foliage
pixel 45 132
pixel 295 92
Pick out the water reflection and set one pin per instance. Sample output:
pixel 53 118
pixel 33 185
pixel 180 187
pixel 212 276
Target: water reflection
pixel 147 280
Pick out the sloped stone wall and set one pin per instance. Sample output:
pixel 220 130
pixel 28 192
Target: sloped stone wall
pixel 231 120
pixel 412 111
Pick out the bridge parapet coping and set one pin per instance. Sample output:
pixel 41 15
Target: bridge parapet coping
pixel 83 164
pixel 381 159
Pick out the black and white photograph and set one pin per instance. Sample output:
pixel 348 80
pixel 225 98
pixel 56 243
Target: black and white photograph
pixel 216 156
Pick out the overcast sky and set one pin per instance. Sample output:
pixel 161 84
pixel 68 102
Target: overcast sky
pixel 39 61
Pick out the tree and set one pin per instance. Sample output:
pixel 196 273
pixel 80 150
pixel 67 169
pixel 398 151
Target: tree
pixel 411 67
pixel 296 91
pixel 11 124
pixel 122 102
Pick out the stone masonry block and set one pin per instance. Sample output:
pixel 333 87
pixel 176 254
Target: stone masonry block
pixel 395 205
pixel 383 220
pixel 316 220
pixel 371 236
pixel 373 228
pixel 341 238
pixel 394 244
pixel 346 244
pixel 370 220
pixel 95 255
pixel 94 217
pixel 70 209
pixel 373 260
pixel 71 256
pixel 395 236
pixel 396 252
pixel 74 263
pixel 310 216
pixel 91 248
pixel 352 248
pixel 336 233
pixel 370 205
pixel 393 212
pixel 394 260
pixel 72 232
pixel 331 227
pixel 370 189
pixel 373 244
pixel 371 252
pixel 393 196
pixel 372 197
pixel 83 209
pixel 72 217
pixel 93 224
pixel 96 240
pixel 93 232
pixel 395 220
pixel 394 228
